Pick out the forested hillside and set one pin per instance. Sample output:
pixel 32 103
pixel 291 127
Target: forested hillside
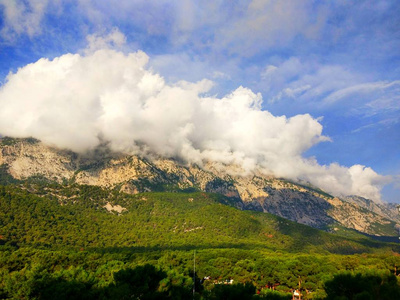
pixel 87 242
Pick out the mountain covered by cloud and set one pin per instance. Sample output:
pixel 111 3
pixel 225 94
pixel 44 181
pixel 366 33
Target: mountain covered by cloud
pixel 78 101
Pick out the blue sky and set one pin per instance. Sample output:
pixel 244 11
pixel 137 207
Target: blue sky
pixel 338 60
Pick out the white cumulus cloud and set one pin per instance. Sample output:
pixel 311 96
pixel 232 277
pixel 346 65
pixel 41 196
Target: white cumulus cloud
pixel 77 101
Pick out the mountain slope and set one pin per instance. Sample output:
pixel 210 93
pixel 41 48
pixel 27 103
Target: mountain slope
pixel 79 216
pixel 27 158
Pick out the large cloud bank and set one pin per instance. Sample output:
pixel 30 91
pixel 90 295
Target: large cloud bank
pixel 78 101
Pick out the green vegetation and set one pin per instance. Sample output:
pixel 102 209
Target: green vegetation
pixel 61 240
pixel 9 141
pixel 372 285
pixel 5 177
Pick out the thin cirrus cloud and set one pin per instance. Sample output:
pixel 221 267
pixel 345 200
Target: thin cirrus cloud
pixel 298 79
pixel 377 96
pixel 329 86
pixel 77 101
pixel 219 26
pixel 22 17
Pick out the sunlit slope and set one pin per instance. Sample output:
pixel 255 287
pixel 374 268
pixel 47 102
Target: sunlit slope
pixel 79 216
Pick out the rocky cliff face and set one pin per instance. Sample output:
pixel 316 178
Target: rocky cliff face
pixel 388 210
pixel 24 158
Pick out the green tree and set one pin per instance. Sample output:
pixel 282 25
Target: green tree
pixel 382 286
pixel 237 291
pixel 139 283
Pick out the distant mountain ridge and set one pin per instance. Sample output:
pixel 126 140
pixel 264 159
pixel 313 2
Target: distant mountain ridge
pixel 26 158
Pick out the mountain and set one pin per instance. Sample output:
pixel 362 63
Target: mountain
pixel 24 159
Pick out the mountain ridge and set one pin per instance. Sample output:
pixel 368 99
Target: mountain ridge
pixel 26 158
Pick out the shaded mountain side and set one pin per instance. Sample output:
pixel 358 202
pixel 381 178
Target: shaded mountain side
pixel 21 159
pixel 298 206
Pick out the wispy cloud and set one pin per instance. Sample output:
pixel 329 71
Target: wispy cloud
pixel 305 80
pixel 264 24
pixel 328 87
pixel 22 17
pixel 385 123
pixel 114 39
pixel 361 89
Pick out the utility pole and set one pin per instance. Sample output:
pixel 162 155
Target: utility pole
pixel 194 273
pixel 398 210
pixel 299 288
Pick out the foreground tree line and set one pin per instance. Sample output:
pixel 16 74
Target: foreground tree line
pixel 28 273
